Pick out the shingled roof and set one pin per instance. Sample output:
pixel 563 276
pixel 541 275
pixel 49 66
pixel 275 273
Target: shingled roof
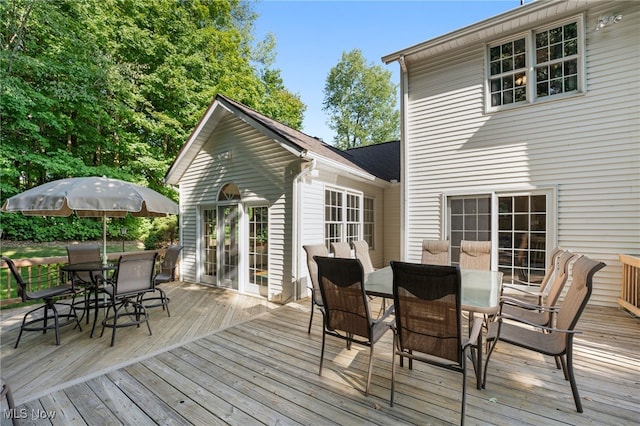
pixel 381 160
pixel 372 159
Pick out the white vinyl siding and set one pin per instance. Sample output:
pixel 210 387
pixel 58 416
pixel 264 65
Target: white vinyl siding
pixel 260 168
pixel 588 146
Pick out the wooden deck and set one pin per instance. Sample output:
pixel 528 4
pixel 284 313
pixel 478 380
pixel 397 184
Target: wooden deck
pixel 224 358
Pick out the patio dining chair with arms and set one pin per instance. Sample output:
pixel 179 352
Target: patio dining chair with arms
pixel 427 300
pixel 133 279
pixel 167 274
pixel 546 298
pixel 346 312
pixel 50 318
pixel 435 252
pixel 554 341
pixel 316 297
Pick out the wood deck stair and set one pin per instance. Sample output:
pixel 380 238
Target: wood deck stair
pixel 226 358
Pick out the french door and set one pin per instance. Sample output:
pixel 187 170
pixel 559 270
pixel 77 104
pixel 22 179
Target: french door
pixel 523 233
pixel 220 243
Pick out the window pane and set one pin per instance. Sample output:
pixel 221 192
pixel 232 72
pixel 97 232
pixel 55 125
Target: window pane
pixel 494 53
pixel 542 55
pixel 555 51
pixel 519 46
pixel 570 67
pixel 571 31
pixel 542 89
pixel 555 35
pixel 495 68
pixel 571 48
pixel 507 65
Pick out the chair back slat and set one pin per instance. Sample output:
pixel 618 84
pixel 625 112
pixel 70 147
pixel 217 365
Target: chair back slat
pixel 435 252
pixel 343 294
pixel 427 309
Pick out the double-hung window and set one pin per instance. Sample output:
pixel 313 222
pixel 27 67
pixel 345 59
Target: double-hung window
pixel 538 65
pixel 348 216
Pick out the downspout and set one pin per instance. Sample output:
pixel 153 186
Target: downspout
pixel 297 223
pixel 404 84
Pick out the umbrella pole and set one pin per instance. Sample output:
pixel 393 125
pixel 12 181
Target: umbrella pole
pixel 104 238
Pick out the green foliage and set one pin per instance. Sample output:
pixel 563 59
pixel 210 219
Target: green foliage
pixel 114 88
pixel 163 232
pixel 361 101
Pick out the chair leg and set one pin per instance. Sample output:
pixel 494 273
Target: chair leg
pixel 572 379
pixel 322 352
pixel 486 362
pixel 311 317
pixel 366 391
pixel 55 323
pixel 21 330
pixel 464 387
pixel 165 301
pixel 393 368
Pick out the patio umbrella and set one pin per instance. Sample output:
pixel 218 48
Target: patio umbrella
pixel 91 197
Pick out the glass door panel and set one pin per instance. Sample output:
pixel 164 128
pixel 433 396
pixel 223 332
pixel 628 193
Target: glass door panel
pixel 258 250
pixel 469 219
pixel 209 246
pixel 229 216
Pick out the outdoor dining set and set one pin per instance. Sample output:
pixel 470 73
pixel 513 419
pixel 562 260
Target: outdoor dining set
pixel 123 290
pixel 430 300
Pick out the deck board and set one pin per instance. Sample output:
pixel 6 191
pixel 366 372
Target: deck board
pixel 226 358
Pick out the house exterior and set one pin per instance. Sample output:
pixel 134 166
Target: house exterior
pixel 254 191
pixel 524 129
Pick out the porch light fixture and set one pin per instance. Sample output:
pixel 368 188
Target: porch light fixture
pixel 603 21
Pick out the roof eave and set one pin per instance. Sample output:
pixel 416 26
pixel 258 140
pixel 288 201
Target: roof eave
pixel 475 29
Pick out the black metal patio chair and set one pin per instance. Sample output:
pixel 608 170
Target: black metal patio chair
pixel 50 318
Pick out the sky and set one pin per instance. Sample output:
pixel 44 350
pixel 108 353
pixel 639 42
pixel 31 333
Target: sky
pixel 312 35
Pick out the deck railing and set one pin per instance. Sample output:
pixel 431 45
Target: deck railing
pixel 38 267
pixel 630 292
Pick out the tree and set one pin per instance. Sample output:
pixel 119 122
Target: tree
pixel 361 101
pixel 115 87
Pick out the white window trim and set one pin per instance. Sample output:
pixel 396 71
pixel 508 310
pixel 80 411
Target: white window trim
pixel 552 213
pixel 529 36
pixel 344 191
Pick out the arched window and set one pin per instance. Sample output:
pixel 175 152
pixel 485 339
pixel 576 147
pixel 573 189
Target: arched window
pixel 229 192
